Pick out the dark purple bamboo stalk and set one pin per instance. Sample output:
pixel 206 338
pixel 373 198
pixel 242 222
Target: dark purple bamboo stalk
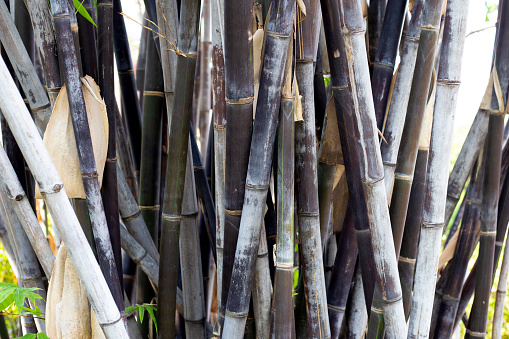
pixel 278 37
pixel 88 44
pixel 239 93
pixel 376 13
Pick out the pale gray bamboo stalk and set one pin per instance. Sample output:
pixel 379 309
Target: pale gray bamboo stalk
pixel 11 188
pixel 7 244
pixel 219 112
pixel 51 188
pixel 26 261
pixel 371 168
pixel 46 44
pixel 262 290
pixel 168 22
pixel 191 266
pixel 24 69
pixel 131 216
pixel 433 212
pixel 358 318
pixel 205 73
pixel 399 101
pixel 498 317
pixel 140 256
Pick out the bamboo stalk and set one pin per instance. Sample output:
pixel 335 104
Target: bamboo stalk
pixel 384 56
pixel 13 191
pixel 376 13
pixel 85 154
pixel 239 94
pixel 320 93
pixel 88 43
pixel 501 295
pixel 219 117
pixel 64 218
pixel 400 97
pixel 358 316
pixel 283 285
pixel 205 73
pixel 262 290
pixel 439 154
pixel 24 69
pixel 260 164
pixel 175 171
pixel 125 154
pixel 127 83
pixel 192 280
pixel 467 241
pixel 140 64
pixel 479 314
pixel 330 11
pixel 26 260
pixel 46 44
pixel 107 85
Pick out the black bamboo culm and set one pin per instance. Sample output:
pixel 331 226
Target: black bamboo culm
pixel 88 43
pixel 306 171
pixel 376 13
pixel 176 165
pixel 203 193
pixel 140 65
pixel 127 83
pixel 107 86
pixel 479 315
pixel 320 93
pixel 467 240
pixel 339 80
pixel 260 164
pixel 239 93
pixel 385 57
pixel 85 150
pixel 150 167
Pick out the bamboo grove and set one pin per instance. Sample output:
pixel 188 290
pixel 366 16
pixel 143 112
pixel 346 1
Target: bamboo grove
pixel 267 169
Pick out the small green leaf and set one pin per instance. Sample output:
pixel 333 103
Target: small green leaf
pixel 42 336
pixel 6 302
pixel 82 10
pixel 141 312
pixel 129 309
pixel 19 298
pixel 150 310
pixel 29 336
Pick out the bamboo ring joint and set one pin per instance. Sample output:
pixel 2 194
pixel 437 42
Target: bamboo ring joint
pixel 171 217
pixel 233 212
pixel 336 308
pixel 476 334
pixel 488 233
pixel 404 177
pixel 240 101
pixel 154 93
pixel 392 301
pixel 110 323
pixel 235 314
pixel 376 310
pixel 129 71
pixel 278 35
pixel 150 208
pixel 198 321
pixel 431 225
pixel 408 260
pixel 17 198
pixel 257 187
pixel 55 189
pixel 35 109
pixel 129 218
pixel 339 88
pixel 451 298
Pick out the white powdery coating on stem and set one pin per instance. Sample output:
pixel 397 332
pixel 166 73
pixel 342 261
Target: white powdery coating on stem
pixel 219 154
pixel 262 290
pixel 46 175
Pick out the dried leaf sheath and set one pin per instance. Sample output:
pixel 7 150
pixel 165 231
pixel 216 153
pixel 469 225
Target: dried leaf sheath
pixel 439 154
pixel 260 163
pixel 176 166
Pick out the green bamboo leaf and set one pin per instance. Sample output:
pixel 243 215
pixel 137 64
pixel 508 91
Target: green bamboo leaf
pixel 19 298
pixel 150 310
pixel 42 336
pixel 141 312
pixel 6 285
pixel 82 10
pixel 6 302
pixel 129 309
pixel 29 336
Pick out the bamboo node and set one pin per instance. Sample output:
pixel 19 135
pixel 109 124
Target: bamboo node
pixel 472 201
pixel 129 71
pixel 171 217
pixel 308 214
pixel 449 297
pixel 476 334
pixel 499 243
pixel 154 93
pixel 339 88
pixel 383 65
pixel 257 187
pixel 391 301
pixel 336 308
pixel 35 109
pixel 57 188
pixel 233 212
pixel 150 208
pixel 129 277
pixel 412 39
pixel 104 4
pixel 347 32
pixel 110 323
pixel 129 218
pixel 488 233
pixel 376 310
pixel 25 101
pixel 18 197
pixel 195 168
pixel 283 266
pixel 372 182
pixel 278 35
pixel 431 225
pixel 304 60
pixel 362 231
pixel 190 215
pixel 403 177
pixel 90 175
pixel 240 101
pixel 408 260
pixel 198 321
pixel 448 82
pixel 430 28
pixel 236 314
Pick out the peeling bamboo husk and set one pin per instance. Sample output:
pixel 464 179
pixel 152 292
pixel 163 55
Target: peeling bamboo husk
pixel 219 117
pixel 127 83
pixel 485 268
pixel 107 85
pixel 259 168
pixel 85 149
pixel 150 167
pixel 385 57
pixel 285 201
pixel 12 189
pixel 467 240
pixel 26 260
pixel 192 280
pixel 64 218
pixel 361 148
pixel 175 170
pixel 376 13
pixel 396 112
pixel 308 210
pixel 239 93
pixel 45 41
pixel 498 319
pixel 262 290
pixel 342 98
pixel 24 69
pixel 433 221
pixel 342 275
